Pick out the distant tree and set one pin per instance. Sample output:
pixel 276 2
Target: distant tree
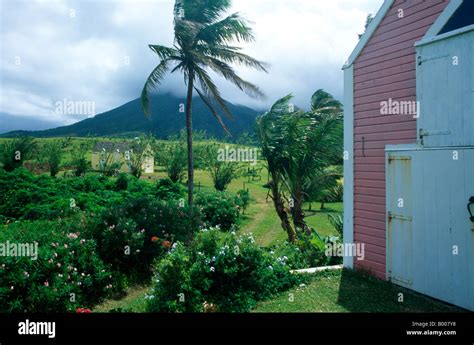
pixel 14 152
pixel 80 162
pixel 141 150
pixel 368 20
pixel 171 155
pixel 202 41
pixel 222 173
pixel 52 153
pixel 108 164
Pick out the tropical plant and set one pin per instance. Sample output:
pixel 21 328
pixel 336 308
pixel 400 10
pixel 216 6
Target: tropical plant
pixel 298 146
pixel 141 150
pixel 172 156
pixel 337 222
pixel 217 272
pixel 202 41
pixel 79 160
pixel 14 152
pixel 222 173
pixel 52 152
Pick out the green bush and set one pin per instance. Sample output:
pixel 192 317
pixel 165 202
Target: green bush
pixel 124 234
pixel 122 182
pixel 26 196
pixel 166 189
pixel 67 273
pixel 217 272
pixel 243 199
pixel 219 209
pixel 307 251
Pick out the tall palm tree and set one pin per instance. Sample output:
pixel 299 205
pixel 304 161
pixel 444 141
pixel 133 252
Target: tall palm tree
pixel 202 38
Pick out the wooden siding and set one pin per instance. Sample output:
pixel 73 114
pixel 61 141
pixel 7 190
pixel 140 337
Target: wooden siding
pixel 386 68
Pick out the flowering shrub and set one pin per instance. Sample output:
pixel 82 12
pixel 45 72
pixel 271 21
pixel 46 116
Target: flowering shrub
pixel 307 251
pixel 219 209
pixel 119 241
pixel 217 272
pixel 67 273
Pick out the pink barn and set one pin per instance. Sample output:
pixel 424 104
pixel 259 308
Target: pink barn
pixel 401 60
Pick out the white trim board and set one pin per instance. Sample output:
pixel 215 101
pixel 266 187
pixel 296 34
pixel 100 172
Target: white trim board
pixel 442 19
pixel 348 228
pixel 444 36
pixel 369 32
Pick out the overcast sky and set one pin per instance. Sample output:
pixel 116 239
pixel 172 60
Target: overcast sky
pixel 97 51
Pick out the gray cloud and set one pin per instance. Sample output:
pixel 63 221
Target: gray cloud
pixel 97 50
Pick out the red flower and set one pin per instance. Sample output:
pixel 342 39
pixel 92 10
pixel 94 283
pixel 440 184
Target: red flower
pixel 83 311
pixel 166 244
pixel 155 239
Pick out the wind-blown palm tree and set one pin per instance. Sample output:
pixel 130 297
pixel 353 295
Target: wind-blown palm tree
pixel 202 38
pixel 298 146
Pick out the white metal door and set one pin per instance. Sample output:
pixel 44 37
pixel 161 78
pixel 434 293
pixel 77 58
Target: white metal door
pixel 445 91
pixel 435 246
pixel 399 219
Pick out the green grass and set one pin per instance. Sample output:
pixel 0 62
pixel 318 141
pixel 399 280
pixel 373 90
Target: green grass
pixel 330 291
pixel 133 302
pixel 350 291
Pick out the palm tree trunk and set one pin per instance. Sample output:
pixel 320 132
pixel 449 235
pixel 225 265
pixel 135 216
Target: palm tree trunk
pixel 281 211
pixel 298 214
pixel 189 134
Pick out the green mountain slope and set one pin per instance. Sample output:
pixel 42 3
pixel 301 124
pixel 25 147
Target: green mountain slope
pixel 166 120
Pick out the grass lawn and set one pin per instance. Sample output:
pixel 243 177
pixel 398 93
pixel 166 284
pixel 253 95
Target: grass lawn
pixel 260 217
pixel 330 291
pixel 350 291
pixel 134 301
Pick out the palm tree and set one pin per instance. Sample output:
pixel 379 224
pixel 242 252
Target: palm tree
pixel 202 39
pixel 298 146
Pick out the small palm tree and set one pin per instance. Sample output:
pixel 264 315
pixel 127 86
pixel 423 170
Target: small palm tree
pixel 298 146
pixel 202 41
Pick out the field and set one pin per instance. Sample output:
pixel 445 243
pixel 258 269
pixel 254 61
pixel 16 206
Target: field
pixel 258 226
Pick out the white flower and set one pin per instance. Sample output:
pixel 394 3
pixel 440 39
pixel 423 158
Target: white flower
pixel 213 269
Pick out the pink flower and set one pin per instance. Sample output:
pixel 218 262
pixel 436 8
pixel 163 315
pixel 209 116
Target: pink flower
pixel 46 283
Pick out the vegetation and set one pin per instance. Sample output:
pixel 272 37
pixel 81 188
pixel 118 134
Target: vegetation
pixel 16 151
pixel 221 171
pixel 202 40
pixel 217 273
pixel 298 147
pixel 350 291
pixel 172 156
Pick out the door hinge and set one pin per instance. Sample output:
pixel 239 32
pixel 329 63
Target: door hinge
pixel 398 158
pixel 399 217
pixel 423 133
pixel 420 60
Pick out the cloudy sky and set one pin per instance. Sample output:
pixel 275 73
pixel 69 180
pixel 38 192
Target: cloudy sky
pixel 97 51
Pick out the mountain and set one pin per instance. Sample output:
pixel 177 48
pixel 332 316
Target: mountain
pixel 166 120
